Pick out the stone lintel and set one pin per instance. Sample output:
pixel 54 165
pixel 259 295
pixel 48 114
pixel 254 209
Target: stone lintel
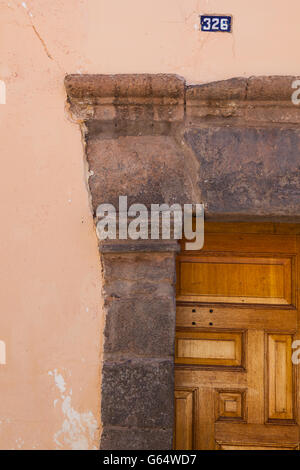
pixel 262 99
pixel 139 97
pixel 166 98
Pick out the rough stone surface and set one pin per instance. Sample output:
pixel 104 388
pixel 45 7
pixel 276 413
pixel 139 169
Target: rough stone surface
pixel 272 88
pixel 248 170
pixel 138 370
pixel 139 246
pixel 139 276
pixel 125 85
pixel 126 97
pixel 254 99
pixel 135 439
pixel 140 314
pixel 139 393
pixel 233 89
pixel 143 289
pixel 149 170
pixel 140 328
pixel 134 267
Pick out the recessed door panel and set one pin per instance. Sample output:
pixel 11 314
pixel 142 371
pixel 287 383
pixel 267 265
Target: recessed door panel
pixel 236 279
pixel 223 349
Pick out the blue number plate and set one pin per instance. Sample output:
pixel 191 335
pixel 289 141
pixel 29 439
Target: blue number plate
pixel 213 23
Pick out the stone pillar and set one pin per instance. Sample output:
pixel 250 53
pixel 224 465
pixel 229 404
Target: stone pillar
pixel 138 369
pixel 131 124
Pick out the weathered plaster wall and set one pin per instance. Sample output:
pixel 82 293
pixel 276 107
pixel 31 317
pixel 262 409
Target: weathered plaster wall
pixel 51 313
pixel 138 36
pixel 51 316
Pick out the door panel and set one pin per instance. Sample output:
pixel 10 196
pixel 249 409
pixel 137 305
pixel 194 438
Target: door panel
pixel 280 380
pixel 185 411
pixel 252 280
pixel 256 435
pixel 230 404
pixel 197 347
pixel 237 317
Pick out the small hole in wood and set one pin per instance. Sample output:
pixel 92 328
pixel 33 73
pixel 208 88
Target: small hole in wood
pixel 193 323
pixel 210 324
pixel 211 310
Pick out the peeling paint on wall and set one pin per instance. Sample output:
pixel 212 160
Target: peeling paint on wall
pixel 19 443
pixel 78 429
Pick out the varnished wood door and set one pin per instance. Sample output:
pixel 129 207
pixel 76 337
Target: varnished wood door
pixel 236 386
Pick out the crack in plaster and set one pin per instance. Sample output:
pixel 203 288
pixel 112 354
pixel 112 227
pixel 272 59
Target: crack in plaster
pixel 30 16
pixel 42 41
pixel 34 28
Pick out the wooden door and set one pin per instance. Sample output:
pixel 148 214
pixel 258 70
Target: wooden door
pixel 237 318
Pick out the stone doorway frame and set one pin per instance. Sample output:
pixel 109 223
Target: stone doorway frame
pixel 157 140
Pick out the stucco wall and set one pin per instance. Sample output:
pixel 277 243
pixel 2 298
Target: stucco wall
pixel 51 317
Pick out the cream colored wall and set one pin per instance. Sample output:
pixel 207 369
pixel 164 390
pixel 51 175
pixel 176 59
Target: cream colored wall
pixel 51 316
pixel 163 36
